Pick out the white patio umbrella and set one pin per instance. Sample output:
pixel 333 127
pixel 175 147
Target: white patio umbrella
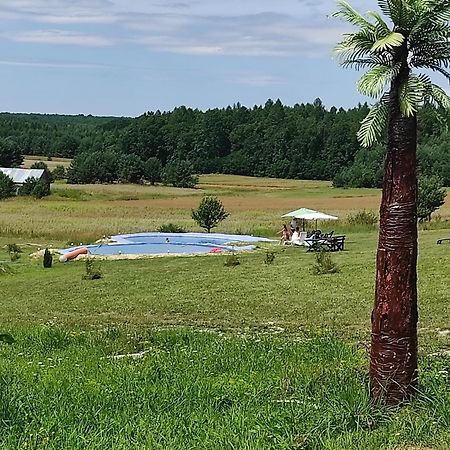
pixel 309 214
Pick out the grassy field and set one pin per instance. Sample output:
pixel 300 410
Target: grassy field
pixel 29 160
pixel 257 356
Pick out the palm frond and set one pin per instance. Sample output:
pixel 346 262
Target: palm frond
pixel 359 63
pixel 402 13
pixel 352 16
pixel 389 41
pixel 373 82
pixel 411 95
pixel 382 26
pixel 436 96
pixel 434 12
pixel 373 124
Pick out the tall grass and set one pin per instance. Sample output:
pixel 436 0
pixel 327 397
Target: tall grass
pixel 73 390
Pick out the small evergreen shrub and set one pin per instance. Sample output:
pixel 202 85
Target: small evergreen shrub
pixel 171 228
pixel 48 259
pixel 34 187
pixel 324 264
pixel 92 270
pixel 269 257
pixel 7 188
pixel 42 189
pixel 232 260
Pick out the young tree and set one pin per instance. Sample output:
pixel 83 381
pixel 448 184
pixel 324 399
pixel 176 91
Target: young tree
pixel 44 167
pixel 34 187
pixel 7 188
pixel 59 172
pixel 131 168
pixel 417 38
pixel 180 174
pixel 431 196
pixel 209 213
pixel 10 155
pixel 153 170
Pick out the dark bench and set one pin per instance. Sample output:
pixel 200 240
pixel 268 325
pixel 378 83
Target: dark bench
pixel 331 244
pixel 440 241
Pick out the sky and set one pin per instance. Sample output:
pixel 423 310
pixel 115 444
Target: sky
pixel 126 57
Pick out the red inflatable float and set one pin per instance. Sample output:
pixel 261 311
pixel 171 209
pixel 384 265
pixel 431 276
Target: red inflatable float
pixel 73 254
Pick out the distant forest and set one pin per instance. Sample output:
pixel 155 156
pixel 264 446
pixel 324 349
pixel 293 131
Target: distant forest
pixel 304 141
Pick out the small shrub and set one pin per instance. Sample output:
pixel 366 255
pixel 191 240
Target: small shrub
pixel 13 248
pixel 269 257
pixel 232 260
pixel 42 189
pixel 34 187
pixel 324 264
pixel 171 228
pixel 6 338
pixel 48 259
pixel 363 217
pixel 93 270
pixel 14 252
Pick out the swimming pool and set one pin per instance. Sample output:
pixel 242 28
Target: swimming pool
pixel 171 243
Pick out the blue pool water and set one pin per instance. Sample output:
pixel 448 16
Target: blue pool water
pixel 171 243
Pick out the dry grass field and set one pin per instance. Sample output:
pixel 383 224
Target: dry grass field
pixel 86 212
pixel 29 160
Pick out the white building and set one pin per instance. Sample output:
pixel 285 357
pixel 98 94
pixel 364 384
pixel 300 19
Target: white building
pixel 19 176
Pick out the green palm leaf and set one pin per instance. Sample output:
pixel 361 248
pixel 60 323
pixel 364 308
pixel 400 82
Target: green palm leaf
pixel 373 82
pixel 411 96
pixel 392 40
pixel 351 15
pixel 374 124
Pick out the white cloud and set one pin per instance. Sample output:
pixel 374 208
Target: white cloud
pixel 257 79
pixel 197 27
pixel 59 37
pixel 51 65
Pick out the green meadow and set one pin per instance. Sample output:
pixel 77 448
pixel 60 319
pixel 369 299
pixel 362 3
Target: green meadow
pixel 188 353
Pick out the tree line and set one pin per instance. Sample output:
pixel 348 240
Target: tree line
pixel 304 141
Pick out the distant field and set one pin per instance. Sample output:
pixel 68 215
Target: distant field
pixel 29 160
pixel 86 212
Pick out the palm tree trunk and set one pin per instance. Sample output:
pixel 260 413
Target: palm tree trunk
pixel 393 364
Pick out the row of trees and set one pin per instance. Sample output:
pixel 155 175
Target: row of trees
pixel 304 141
pixel 110 166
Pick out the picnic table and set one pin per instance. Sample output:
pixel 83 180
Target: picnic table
pixel 331 244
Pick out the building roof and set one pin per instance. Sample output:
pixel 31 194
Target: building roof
pixel 20 175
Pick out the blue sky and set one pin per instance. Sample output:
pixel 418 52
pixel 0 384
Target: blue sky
pixel 117 57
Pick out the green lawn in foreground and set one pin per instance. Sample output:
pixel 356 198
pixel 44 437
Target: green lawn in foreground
pixel 200 291
pixel 63 390
pixel 250 357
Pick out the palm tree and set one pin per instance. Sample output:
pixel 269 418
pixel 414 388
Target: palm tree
pixel 418 38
